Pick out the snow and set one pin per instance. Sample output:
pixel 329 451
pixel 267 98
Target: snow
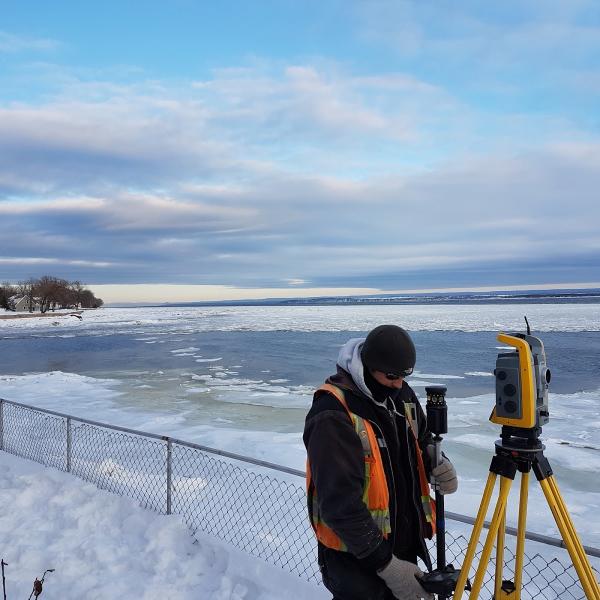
pixel 104 546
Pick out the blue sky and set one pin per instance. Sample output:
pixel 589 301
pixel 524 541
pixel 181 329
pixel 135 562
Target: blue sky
pixel 191 150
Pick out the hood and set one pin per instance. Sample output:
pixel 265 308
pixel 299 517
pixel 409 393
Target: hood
pixel 349 360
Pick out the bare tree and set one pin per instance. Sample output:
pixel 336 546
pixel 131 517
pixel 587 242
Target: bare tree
pixel 77 290
pixel 7 291
pixel 49 291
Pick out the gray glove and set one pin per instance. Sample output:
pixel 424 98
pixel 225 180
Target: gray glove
pixel 443 477
pixel 401 577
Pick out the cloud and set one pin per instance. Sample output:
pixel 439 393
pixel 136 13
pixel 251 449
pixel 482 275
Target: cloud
pixel 130 212
pixel 76 144
pixel 92 136
pixel 480 215
pixel 509 53
pixel 11 43
pixel 500 32
pixel 43 261
pixel 291 176
pixel 296 282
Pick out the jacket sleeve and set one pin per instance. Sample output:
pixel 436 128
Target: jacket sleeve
pixel 336 461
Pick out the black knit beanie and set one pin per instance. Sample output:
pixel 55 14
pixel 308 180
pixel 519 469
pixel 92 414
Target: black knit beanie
pixel 388 348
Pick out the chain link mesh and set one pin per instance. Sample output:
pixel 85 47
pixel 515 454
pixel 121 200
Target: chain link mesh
pixel 255 511
pixel 258 510
pixel 543 577
pixel 35 435
pixel 125 464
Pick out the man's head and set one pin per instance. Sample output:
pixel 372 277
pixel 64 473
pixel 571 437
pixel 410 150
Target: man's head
pixel 389 354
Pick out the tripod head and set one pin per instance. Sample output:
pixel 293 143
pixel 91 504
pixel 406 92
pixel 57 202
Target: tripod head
pixel 522 381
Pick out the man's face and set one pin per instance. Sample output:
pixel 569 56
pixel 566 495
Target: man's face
pixel 383 379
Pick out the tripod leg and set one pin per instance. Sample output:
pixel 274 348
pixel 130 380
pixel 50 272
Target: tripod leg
pixel 521 530
pixel 499 558
pixel 475 534
pixel 570 538
pixel 499 512
pixel 574 537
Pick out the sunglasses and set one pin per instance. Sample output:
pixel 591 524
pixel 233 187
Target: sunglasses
pixel 396 376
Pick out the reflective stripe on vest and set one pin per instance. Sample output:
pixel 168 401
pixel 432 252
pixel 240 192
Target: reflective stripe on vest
pixel 427 502
pixel 375 490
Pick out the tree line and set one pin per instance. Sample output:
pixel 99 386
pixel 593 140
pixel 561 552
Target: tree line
pixel 48 293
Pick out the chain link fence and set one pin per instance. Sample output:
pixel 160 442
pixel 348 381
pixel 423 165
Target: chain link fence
pixel 256 506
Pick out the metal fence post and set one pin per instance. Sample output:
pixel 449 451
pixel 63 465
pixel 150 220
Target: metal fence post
pixel 1 424
pixel 68 444
pixel 169 474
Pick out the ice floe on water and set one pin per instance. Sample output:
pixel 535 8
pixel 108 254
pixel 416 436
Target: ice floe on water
pixel 189 350
pixel 188 320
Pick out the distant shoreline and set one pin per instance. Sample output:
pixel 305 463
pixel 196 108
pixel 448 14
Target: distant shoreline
pixel 575 296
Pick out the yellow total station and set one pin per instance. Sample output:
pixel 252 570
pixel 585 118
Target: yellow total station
pixel 522 380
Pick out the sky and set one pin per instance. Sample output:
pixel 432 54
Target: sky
pixel 200 150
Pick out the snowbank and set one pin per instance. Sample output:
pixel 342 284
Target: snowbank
pixel 105 547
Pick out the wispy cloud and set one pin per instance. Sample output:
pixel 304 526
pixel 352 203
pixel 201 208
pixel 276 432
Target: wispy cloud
pixel 25 261
pixel 12 43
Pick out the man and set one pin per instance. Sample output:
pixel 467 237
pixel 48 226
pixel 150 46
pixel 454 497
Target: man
pixel 368 469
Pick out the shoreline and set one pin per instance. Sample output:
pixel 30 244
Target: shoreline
pixel 46 314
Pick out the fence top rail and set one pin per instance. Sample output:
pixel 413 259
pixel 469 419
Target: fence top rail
pixel 261 463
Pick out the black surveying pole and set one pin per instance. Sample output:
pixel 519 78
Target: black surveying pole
pixel 437 423
pixel 442 580
pixel 3 580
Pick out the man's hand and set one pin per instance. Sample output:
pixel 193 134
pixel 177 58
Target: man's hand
pixel 401 577
pixel 443 477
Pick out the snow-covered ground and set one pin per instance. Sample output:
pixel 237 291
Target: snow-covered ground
pixel 105 547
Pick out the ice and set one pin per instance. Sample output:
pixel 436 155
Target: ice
pixel 189 351
pixel 434 376
pixel 160 321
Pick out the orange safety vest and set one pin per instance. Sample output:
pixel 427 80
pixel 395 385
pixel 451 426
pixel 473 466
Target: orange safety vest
pixel 427 502
pixel 375 490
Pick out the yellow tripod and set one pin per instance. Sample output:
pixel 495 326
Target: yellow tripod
pixel 522 452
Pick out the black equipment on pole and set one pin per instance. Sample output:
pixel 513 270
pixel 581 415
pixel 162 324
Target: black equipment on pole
pixel 442 580
pixel 3 580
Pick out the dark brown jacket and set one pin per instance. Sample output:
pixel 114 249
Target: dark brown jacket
pixel 337 464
